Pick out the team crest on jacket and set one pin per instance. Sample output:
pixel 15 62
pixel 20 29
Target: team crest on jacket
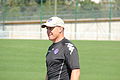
pixel 56 51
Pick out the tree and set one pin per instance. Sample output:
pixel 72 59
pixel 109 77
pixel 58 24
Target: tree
pixel 117 4
pixel 12 3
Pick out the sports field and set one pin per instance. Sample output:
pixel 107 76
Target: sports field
pixel 25 59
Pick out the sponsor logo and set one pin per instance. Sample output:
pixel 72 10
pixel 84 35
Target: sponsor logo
pixel 70 47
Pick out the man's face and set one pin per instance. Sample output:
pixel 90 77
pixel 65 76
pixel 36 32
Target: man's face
pixel 53 33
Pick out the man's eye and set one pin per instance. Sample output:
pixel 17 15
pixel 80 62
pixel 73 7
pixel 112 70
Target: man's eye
pixel 50 28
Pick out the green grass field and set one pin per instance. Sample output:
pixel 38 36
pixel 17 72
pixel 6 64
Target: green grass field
pixel 25 59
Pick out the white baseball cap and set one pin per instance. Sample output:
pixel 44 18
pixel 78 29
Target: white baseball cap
pixel 53 22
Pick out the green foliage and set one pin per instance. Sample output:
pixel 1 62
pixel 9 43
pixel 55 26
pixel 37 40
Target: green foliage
pixel 69 8
pixel 14 11
pixel 12 3
pixel 117 4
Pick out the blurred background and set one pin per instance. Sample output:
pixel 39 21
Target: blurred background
pixel 92 25
pixel 84 19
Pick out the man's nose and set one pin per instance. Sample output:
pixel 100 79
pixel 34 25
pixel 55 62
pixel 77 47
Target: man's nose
pixel 48 30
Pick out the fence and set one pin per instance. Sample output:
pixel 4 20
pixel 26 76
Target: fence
pixel 17 15
pixel 12 10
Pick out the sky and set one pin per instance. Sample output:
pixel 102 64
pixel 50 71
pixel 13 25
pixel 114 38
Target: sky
pixel 97 1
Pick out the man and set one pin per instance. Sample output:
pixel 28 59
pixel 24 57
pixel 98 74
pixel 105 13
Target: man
pixel 62 60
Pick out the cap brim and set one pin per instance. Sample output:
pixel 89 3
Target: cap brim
pixel 43 26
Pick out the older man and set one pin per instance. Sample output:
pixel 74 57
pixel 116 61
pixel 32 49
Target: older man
pixel 62 60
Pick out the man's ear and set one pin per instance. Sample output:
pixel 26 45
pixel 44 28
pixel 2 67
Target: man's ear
pixel 61 29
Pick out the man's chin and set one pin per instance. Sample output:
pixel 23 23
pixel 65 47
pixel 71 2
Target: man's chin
pixel 51 39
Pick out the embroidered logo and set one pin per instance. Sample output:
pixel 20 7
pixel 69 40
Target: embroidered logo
pixel 49 20
pixel 56 51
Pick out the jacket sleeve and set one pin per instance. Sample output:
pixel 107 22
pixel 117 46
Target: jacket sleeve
pixel 71 56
